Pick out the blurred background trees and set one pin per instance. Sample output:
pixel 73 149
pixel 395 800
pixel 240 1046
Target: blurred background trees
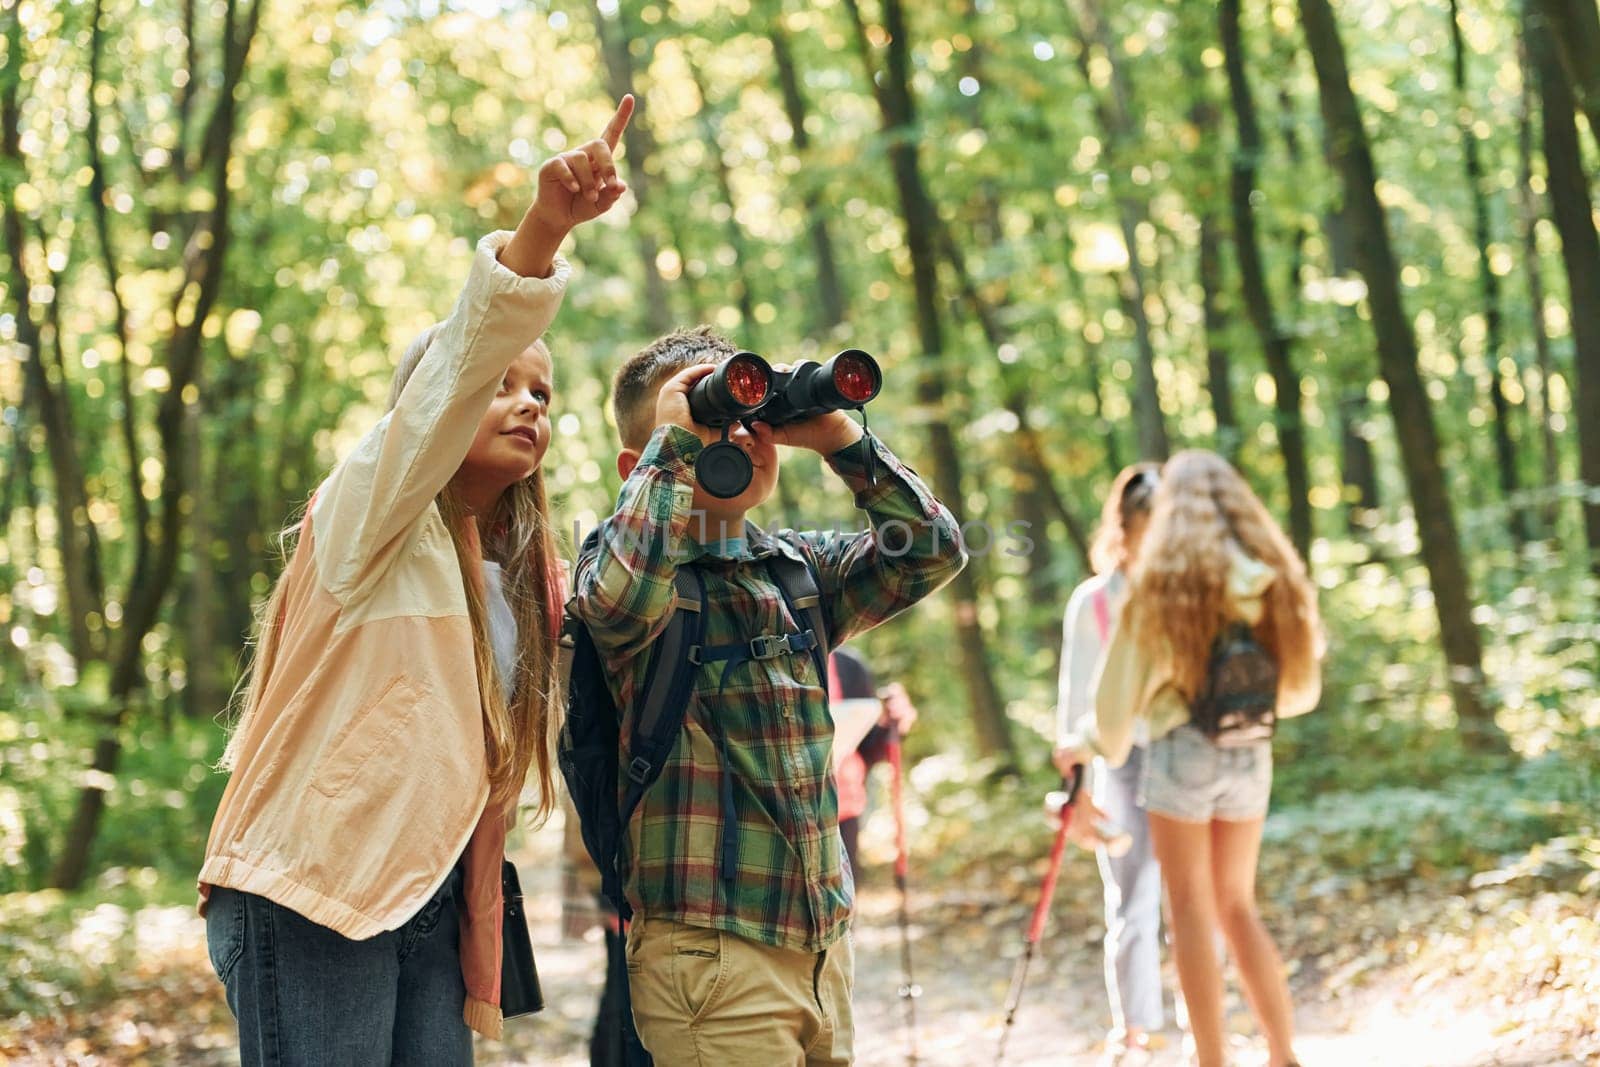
pixel 1351 246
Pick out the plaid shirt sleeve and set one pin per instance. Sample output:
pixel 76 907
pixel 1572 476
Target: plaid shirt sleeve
pixel 911 550
pixel 624 586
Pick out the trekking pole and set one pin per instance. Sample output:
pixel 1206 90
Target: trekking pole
pixel 909 989
pixel 1041 910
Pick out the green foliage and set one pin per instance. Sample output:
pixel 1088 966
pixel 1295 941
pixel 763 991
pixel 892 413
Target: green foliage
pixel 375 144
pixel 158 805
pixel 67 949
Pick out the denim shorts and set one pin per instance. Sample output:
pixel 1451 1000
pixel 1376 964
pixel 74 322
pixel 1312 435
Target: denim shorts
pixel 1189 778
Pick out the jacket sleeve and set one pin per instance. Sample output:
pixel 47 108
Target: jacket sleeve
pixel 1297 696
pixel 1127 683
pixel 394 472
pixel 625 591
pixel 912 549
pixel 1080 655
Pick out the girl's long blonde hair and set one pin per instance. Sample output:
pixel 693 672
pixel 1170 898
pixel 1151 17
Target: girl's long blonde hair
pixel 1178 595
pixel 518 734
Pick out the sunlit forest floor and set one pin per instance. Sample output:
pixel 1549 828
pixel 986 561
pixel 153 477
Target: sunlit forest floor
pixel 1504 970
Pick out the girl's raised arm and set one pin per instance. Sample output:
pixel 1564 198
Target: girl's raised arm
pixel 515 286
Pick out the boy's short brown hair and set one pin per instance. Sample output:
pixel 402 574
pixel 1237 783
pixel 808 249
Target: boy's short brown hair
pixel 639 381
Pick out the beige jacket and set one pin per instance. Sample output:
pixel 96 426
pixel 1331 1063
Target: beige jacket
pixel 1135 685
pixel 360 778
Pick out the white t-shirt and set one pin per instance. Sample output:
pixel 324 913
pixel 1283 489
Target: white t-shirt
pixel 502 626
pixel 1083 647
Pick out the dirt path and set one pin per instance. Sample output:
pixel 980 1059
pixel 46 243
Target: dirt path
pixel 1354 1008
pixel 965 946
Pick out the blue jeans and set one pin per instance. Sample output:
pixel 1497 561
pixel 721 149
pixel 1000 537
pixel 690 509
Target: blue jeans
pixel 1132 900
pixel 303 994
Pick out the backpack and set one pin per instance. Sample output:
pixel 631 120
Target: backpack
pixel 1238 701
pixel 591 746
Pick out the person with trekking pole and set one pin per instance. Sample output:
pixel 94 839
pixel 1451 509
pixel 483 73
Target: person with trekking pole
pixel 1132 879
pixel 849 680
pixel 1219 638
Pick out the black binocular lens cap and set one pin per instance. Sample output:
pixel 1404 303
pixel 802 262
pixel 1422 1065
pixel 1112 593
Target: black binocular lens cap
pixel 724 470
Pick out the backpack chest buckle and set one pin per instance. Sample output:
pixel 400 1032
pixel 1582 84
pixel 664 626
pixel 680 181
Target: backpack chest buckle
pixel 770 646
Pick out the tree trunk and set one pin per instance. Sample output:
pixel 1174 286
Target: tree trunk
pixel 1034 467
pixel 61 448
pixel 1397 360
pixel 1219 369
pixel 896 106
pixel 989 227
pixel 1078 292
pixel 830 296
pixel 200 692
pixel 749 328
pixel 1528 214
pixel 1203 114
pixel 641 147
pixel 1489 281
pixel 1575 33
pixel 1580 251
pixel 1358 468
pixel 1116 122
pixel 204 257
pixel 1253 280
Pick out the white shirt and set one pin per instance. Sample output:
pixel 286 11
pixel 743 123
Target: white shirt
pixel 1083 648
pixel 502 625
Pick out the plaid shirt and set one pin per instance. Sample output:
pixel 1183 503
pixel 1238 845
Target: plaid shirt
pixel 789 888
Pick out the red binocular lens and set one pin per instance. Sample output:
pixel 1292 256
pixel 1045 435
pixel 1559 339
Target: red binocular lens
pixel 856 377
pixel 748 381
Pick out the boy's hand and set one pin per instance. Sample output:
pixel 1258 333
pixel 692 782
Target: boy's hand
pixel 672 402
pixel 582 184
pixel 824 434
pixel 574 187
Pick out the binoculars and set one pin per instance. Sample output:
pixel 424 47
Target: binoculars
pixel 746 389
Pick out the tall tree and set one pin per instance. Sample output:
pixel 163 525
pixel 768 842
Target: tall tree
pixel 1033 468
pixel 1090 333
pixel 1274 339
pixel 1528 215
pixel 614 34
pixel 1488 280
pixel 1397 362
pixel 156 557
pixel 1572 212
pixel 830 308
pixel 1575 37
pixel 733 233
pixel 898 112
pixel 1114 109
pixel 1205 117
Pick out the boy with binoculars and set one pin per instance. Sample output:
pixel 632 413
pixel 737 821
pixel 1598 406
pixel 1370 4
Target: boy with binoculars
pixel 739 950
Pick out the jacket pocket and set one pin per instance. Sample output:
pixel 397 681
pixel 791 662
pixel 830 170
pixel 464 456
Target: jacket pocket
pixel 375 728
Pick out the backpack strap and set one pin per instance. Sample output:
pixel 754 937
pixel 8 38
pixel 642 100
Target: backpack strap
pixel 658 718
pixel 672 650
pixel 1102 613
pixel 798 584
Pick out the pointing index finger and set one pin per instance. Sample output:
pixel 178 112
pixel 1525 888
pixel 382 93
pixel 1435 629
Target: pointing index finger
pixel 619 121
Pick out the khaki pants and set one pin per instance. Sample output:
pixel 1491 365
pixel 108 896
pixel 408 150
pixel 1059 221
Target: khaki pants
pixel 713 999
